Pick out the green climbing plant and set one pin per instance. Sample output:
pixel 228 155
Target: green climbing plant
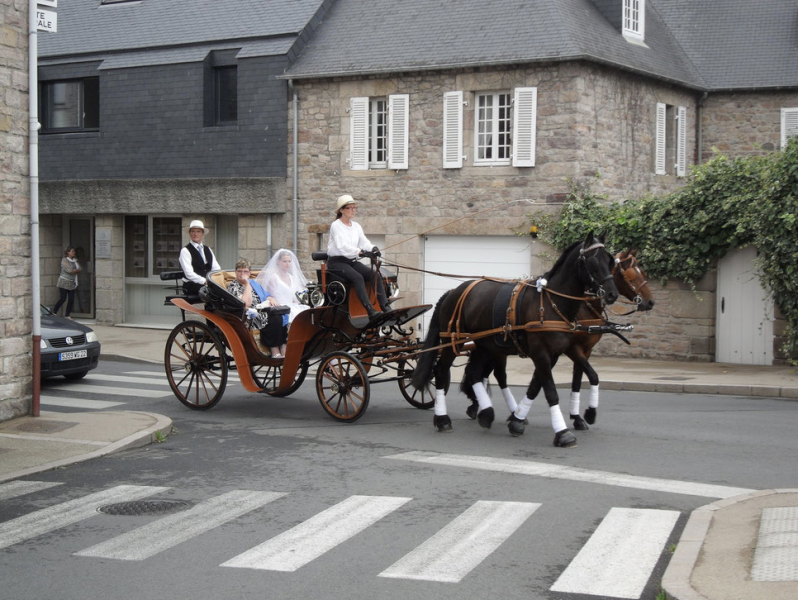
pixel 724 204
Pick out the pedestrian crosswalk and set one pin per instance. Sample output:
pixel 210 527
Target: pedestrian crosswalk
pixel 615 562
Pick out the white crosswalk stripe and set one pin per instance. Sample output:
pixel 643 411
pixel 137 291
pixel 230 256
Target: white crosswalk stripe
pixel 45 400
pixel 616 562
pixel 464 543
pixel 619 557
pixel 49 519
pixel 169 531
pixel 20 488
pixel 319 534
pixel 114 391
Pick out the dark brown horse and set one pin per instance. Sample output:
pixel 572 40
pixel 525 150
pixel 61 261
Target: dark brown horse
pixel 542 310
pixel 632 283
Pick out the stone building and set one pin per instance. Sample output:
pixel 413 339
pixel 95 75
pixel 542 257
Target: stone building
pixel 15 245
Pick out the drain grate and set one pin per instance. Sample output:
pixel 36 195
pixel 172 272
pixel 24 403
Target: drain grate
pixel 39 426
pixel 138 508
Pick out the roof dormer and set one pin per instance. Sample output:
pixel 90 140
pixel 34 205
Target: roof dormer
pixel 634 21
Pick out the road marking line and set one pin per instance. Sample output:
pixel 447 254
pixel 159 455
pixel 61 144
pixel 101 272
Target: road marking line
pixel 77 402
pixel 123 379
pixel 309 540
pixel 20 488
pixel 619 557
pixel 111 391
pixel 175 529
pixel 49 519
pixel 776 552
pixel 523 467
pixel 232 376
pixel 458 548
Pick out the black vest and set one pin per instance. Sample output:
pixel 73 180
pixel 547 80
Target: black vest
pixel 201 268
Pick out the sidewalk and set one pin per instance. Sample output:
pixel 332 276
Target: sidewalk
pixel 714 558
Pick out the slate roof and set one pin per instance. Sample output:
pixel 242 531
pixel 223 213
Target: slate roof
pixel 706 44
pixel 86 27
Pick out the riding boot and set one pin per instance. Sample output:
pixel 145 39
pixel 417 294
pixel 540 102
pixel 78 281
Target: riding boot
pixel 372 312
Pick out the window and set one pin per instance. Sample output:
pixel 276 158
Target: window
pixel 670 153
pixel 634 19
pixel 225 88
pixel 72 105
pixel 378 132
pixel 152 245
pixel 504 128
pixel 789 124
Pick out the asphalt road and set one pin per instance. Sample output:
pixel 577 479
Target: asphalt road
pixel 373 509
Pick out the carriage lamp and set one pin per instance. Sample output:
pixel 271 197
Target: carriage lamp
pixel 533 232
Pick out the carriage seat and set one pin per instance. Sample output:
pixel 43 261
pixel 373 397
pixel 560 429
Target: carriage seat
pixel 177 277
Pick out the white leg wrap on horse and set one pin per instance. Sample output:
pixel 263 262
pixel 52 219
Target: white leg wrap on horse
pixel 594 396
pixel 574 403
pixel 523 409
pixel 557 422
pixel 440 403
pixel 482 396
pixel 509 399
pixel 485 382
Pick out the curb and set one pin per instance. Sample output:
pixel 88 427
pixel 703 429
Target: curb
pixel 163 426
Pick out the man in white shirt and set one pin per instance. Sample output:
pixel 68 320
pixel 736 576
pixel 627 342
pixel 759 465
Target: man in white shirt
pixel 196 259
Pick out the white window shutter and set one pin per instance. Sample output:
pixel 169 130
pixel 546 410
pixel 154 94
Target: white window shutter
pixel 453 130
pixel 525 108
pixel 681 143
pixel 359 134
pixel 398 122
pixel 659 155
pixel 789 124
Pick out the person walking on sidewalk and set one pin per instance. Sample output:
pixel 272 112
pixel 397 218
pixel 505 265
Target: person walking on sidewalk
pixel 67 281
pixel 196 259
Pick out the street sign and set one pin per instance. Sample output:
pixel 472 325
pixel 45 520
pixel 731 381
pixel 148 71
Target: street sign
pixel 53 3
pixel 46 20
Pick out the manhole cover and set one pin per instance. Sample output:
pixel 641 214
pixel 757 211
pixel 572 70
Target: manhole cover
pixel 39 426
pixel 674 378
pixel 138 508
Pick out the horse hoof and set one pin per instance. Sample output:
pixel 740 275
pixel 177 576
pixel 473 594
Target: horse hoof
pixel 472 410
pixel 443 423
pixel 485 417
pixel 590 415
pixel 579 423
pixel 515 426
pixel 565 439
pixel 512 416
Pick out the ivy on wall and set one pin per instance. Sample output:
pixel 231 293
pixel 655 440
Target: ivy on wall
pixel 725 204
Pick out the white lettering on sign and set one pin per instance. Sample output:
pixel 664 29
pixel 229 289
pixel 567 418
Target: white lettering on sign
pixel 46 20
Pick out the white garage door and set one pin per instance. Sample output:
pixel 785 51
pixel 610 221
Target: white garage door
pixel 506 257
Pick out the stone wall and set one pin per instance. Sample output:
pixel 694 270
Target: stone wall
pixel 594 126
pixel 15 241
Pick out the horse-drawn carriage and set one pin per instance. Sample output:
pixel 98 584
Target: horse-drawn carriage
pixel 349 351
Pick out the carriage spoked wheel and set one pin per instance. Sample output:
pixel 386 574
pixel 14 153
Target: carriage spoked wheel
pixel 268 377
pixel 342 386
pixel 423 398
pixel 196 365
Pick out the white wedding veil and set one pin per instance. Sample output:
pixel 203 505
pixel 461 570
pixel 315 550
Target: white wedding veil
pixel 270 277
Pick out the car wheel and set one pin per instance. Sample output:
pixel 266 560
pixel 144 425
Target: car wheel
pixel 76 376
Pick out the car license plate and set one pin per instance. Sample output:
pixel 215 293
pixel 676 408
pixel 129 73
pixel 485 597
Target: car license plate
pixel 73 355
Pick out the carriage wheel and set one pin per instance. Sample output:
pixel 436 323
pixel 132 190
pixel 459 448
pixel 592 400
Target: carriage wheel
pixel 423 398
pixel 268 377
pixel 342 386
pixel 196 365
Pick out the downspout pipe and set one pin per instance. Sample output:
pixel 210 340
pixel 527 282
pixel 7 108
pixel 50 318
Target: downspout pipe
pixel 295 164
pixel 33 150
pixel 699 138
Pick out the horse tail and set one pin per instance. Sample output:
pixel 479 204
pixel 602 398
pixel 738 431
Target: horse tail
pixel 422 374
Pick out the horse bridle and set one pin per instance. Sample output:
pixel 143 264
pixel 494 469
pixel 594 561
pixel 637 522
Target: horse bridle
pixel 630 274
pixel 595 286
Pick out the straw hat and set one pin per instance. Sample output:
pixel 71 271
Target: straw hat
pixel 197 224
pixel 344 200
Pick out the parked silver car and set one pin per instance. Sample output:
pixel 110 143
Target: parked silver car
pixel 68 348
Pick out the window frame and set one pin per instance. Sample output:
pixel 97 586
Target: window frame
pixel 218 119
pixel 496 121
pixel 670 140
pixel 92 96
pixel 633 20
pixel 361 141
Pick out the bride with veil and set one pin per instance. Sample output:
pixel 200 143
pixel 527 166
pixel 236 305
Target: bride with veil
pixel 283 278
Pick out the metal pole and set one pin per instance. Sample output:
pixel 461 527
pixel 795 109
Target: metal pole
pixel 33 145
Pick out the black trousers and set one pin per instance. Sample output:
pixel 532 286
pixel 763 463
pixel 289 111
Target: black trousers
pixel 357 273
pixel 275 333
pixel 67 296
